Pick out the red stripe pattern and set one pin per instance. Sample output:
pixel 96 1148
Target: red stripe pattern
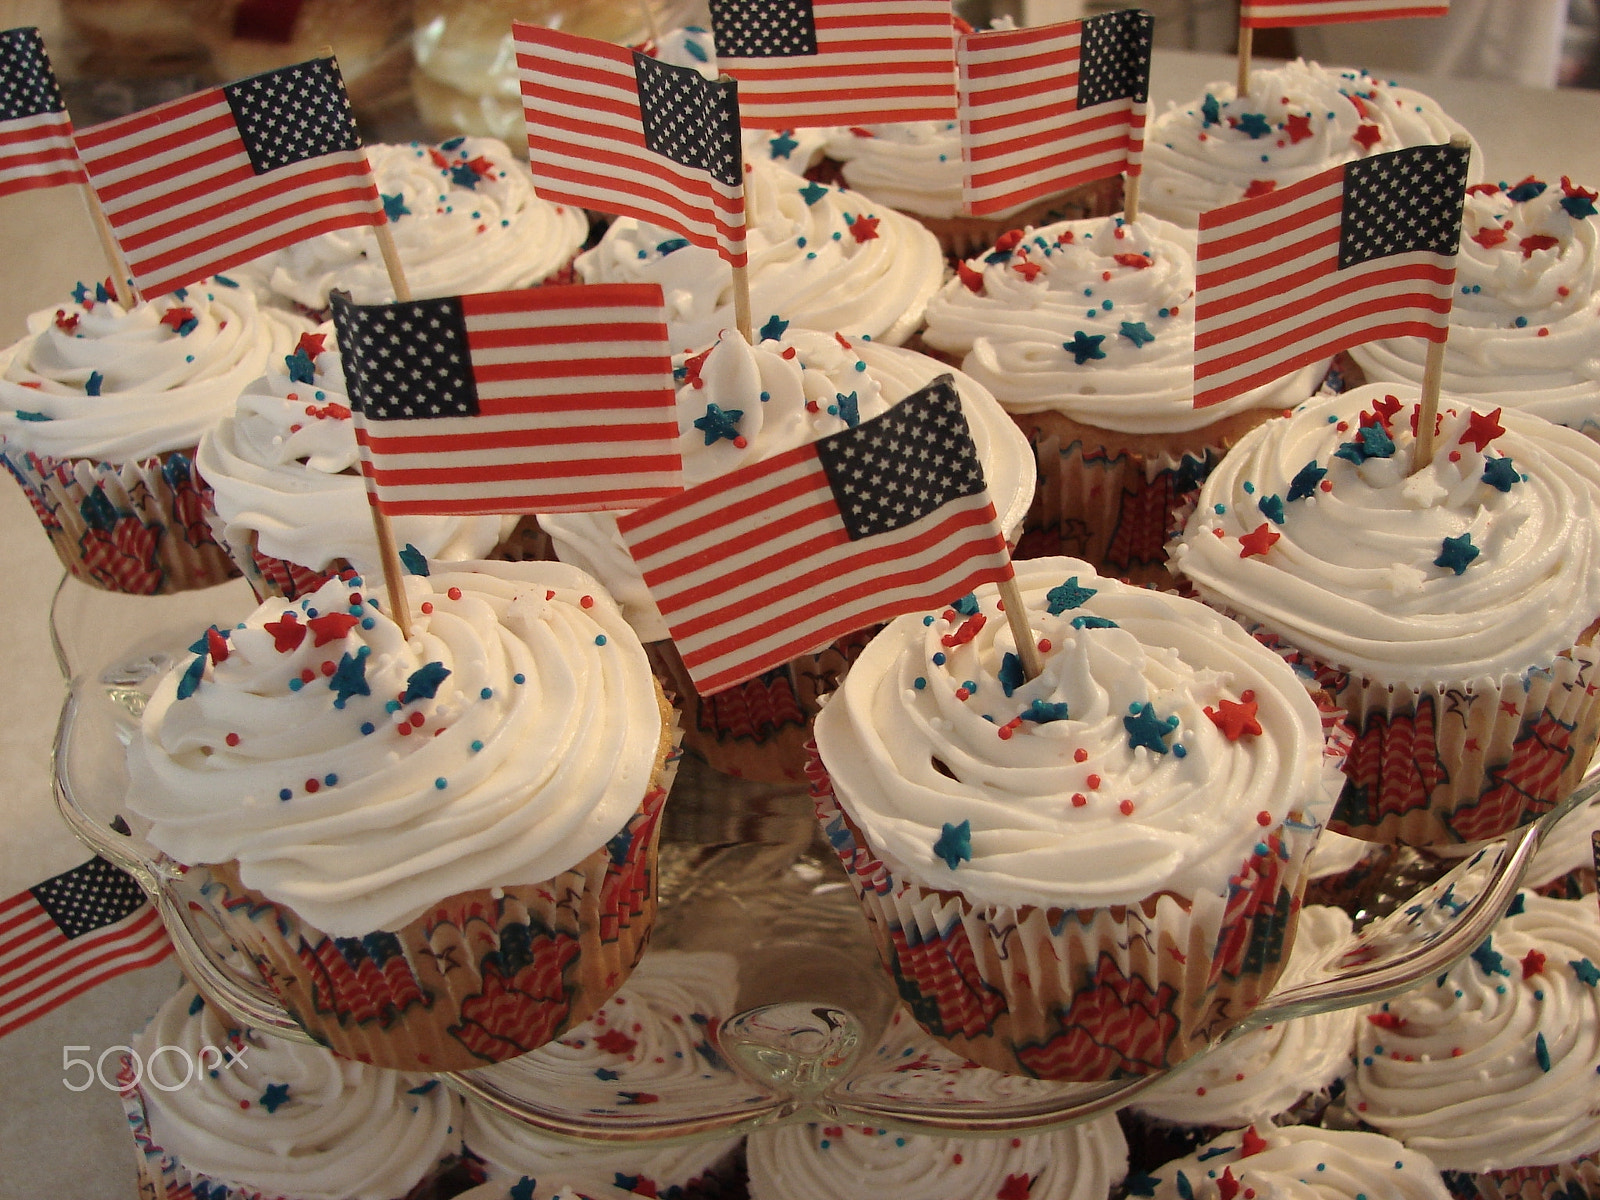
pixel 548 399
pixel 36 149
pixel 1268 14
pixel 783 556
pixel 1051 107
pixel 199 184
pixel 805 63
pixel 69 934
pixel 1359 252
pixel 588 142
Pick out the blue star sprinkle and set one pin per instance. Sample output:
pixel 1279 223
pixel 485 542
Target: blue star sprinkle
pixel 80 292
pixel 24 415
pixel 394 207
pixel 1094 623
pixel 783 145
pixel 1067 595
pixel 1529 189
pixel 92 387
pixel 1456 553
pixel 1500 473
pixel 849 409
pixel 299 366
pixel 1011 675
pixel 671 246
pixel 423 683
pixel 1136 333
pixel 1518 906
pixel 966 605
pixel 1141 1184
pixel 1371 442
pixel 195 1005
pixel 719 423
pixel 414 561
pixel 462 175
pixel 1042 712
pixel 1489 959
pixel 1148 730
pixel 1305 481
pixel 606 1075
pixel 773 329
pixel 1586 972
pixel 1210 112
pixel 954 844
pixel 100 294
pixel 1084 346
pixel 1255 124
pixel 276 1095
pixel 525 1188
pixel 1541 1053
pixel 1271 508
pixel 1578 207
pixel 812 192
pixel 350 677
pixel 190 683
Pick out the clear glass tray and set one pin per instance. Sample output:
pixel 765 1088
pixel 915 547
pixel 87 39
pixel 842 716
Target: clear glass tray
pixel 744 870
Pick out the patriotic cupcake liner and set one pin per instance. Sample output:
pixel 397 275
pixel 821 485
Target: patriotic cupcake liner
pixel 1574 1180
pixel 138 528
pixel 1086 995
pixel 963 237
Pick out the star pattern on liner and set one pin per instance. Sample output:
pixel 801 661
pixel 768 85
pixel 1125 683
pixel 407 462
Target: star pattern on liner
pixel 955 844
pixel 1258 541
pixel 719 423
pixel 1456 553
pixel 1236 718
pixel 1084 346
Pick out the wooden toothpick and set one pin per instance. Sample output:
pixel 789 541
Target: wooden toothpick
pixel 1017 618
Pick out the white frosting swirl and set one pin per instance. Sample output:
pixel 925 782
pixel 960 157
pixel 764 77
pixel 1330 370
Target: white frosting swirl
pixel 156 387
pixel 858 1162
pixel 1297 119
pixel 280 1118
pixel 285 467
pixel 1492 1065
pixel 913 752
pixel 1126 288
pixel 1267 1071
pixel 914 166
pixel 835 261
pixel 1355 576
pixel 1300 1163
pixel 783 388
pixel 1566 848
pixel 533 750
pixel 464 218
pixel 1525 325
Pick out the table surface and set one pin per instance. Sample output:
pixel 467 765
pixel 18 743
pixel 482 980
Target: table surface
pixel 50 245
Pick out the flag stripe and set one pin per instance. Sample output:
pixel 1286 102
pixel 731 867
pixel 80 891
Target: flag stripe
pixel 1267 14
pixel 36 152
pixel 137 941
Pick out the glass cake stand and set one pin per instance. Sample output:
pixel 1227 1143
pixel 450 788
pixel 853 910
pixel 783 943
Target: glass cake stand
pixel 744 869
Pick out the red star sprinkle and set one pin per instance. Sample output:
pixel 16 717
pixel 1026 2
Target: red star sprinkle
pixel 1572 189
pixel 1368 135
pixel 1537 241
pixel 440 159
pixel 330 627
pixel 1357 101
pixel 614 1041
pixel 216 646
pixel 1258 541
pixel 1483 189
pixel 1260 187
pixel 174 318
pixel 971 278
pixel 65 323
pixel 1227 1185
pixel 312 343
pixel 969 630
pixel 1387 1020
pixel 1387 408
pixel 842 340
pixel 864 229
pixel 1489 236
pixel 1137 261
pixel 287 633
pixel 1482 428
pixel 481 166
pixel 1028 270
pixel 1297 126
pixel 1065 239
pixel 1252 1143
pixel 1016 1187
pixel 1009 240
pixel 1532 963
pixel 692 365
pixel 1236 718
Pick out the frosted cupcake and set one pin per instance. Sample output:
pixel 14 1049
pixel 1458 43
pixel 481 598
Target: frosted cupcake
pixel 101 410
pixel 1299 1162
pixel 1086 875
pixel 464 218
pixel 826 258
pixel 286 494
pixel 1450 608
pixel 1084 331
pixel 1297 119
pixel 230 1113
pixel 739 404
pixel 439 850
pixel 1564 867
pixel 1525 323
pixel 1490 1069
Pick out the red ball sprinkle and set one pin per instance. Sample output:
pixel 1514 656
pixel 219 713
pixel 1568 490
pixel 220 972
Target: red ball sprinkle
pixel 328 667
pixel 1342 426
pixel 1327 486
pixel 1127 808
pixel 308 675
pixel 312 785
pixel 585 601
pixel 1199 1091
pixel 549 594
pixel 405 729
pixel 1044 645
pixel 1263 818
pixel 1079 799
pixel 1544 332
pixel 1080 755
pixel 355 598
pixel 1362 1106
pixel 232 739
pixel 956 1158
pixel 1005 732
pixel 962 693
pixel 1455 456
pixel 454 593
pixel 1106 275
pixel 416 719
pixel 1093 781
pixel 244 1104
pixel 741 442
pixel 311 410
pixel 427 607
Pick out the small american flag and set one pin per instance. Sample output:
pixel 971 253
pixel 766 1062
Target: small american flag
pixel 780 557
pixel 36 148
pixel 1266 14
pixel 1362 251
pixel 70 933
pixel 838 62
pixel 549 399
pixel 617 131
pixel 196 185
pixel 1048 108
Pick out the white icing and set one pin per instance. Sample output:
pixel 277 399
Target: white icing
pixel 1303 1163
pixel 1191 819
pixel 914 166
pixel 1566 848
pixel 537 774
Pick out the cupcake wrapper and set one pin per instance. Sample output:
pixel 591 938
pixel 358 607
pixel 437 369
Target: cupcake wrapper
pixel 1566 1181
pixel 1574 885
pixel 138 528
pixel 1440 765
pixel 1083 995
pixel 963 237
pixel 481 977
pixel 268 576
pixel 162 1176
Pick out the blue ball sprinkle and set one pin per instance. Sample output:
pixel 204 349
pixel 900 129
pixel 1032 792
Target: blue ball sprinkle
pixel 599 639
pixel 367 623
pixel 285 794
pixel 296 684
pixel 441 783
pixel 485 693
pixel 330 779
pixel 860 366
pixel 927 620
pixel 391 706
pixel 519 677
pixel 1180 751
pixel 1521 322
pixel 938 659
pixel 476 746
pixel 367 728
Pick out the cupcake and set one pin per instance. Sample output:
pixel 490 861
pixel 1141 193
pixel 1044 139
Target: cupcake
pixel 1449 610
pixel 230 1113
pixel 738 404
pixel 438 851
pixel 283 475
pixel 1084 331
pixel 1297 119
pixel 1525 325
pixel 464 218
pixel 1283 1073
pixel 827 258
pixel 1317 1164
pixel 1090 874
pixel 1489 1069
pixel 1564 865
pixel 653 1043
pixel 100 412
